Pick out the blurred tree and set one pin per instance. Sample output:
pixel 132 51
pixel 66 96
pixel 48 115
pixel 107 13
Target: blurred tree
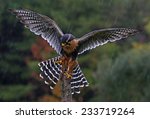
pixel 125 79
pixel 12 61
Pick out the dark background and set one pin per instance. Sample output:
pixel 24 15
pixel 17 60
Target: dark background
pixel 117 71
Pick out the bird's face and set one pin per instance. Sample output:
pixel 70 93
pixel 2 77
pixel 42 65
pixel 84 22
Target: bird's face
pixel 66 40
pixel 69 43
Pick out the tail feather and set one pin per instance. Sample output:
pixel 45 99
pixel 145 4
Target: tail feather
pixel 78 80
pixel 50 73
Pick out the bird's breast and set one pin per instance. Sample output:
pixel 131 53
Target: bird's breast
pixel 71 48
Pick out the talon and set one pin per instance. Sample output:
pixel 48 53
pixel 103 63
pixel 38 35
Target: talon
pixel 69 76
pixel 59 62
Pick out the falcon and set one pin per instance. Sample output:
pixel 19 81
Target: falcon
pixel 67 46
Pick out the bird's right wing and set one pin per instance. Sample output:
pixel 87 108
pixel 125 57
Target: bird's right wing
pixel 40 25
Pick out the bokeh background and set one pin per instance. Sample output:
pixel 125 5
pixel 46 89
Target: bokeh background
pixel 117 71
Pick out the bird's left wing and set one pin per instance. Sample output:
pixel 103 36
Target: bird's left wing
pixel 101 37
pixel 40 25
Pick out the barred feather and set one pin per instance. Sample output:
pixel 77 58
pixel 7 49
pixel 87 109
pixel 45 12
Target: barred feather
pixel 50 73
pixel 78 80
pixel 100 37
pixel 41 25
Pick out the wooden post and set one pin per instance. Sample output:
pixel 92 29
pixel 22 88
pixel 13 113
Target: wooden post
pixel 66 89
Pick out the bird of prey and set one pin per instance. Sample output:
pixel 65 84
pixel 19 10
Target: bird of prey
pixel 67 46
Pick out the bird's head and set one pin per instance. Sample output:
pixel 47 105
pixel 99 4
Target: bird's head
pixel 65 39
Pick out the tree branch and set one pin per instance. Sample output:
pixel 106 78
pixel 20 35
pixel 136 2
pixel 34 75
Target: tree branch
pixel 66 89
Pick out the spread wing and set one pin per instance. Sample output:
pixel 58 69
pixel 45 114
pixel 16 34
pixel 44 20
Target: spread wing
pixel 41 25
pixel 101 37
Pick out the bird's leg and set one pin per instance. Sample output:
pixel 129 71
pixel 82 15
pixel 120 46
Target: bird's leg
pixel 64 63
pixel 60 61
pixel 71 64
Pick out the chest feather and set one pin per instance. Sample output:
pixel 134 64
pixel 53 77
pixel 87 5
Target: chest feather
pixel 71 48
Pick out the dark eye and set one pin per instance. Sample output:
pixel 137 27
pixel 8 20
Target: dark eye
pixel 67 43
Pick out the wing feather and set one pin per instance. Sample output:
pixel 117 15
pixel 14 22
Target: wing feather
pixel 101 37
pixel 40 25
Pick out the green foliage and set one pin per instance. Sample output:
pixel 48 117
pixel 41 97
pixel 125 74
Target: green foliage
pixel 125 79
pixel 15 92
